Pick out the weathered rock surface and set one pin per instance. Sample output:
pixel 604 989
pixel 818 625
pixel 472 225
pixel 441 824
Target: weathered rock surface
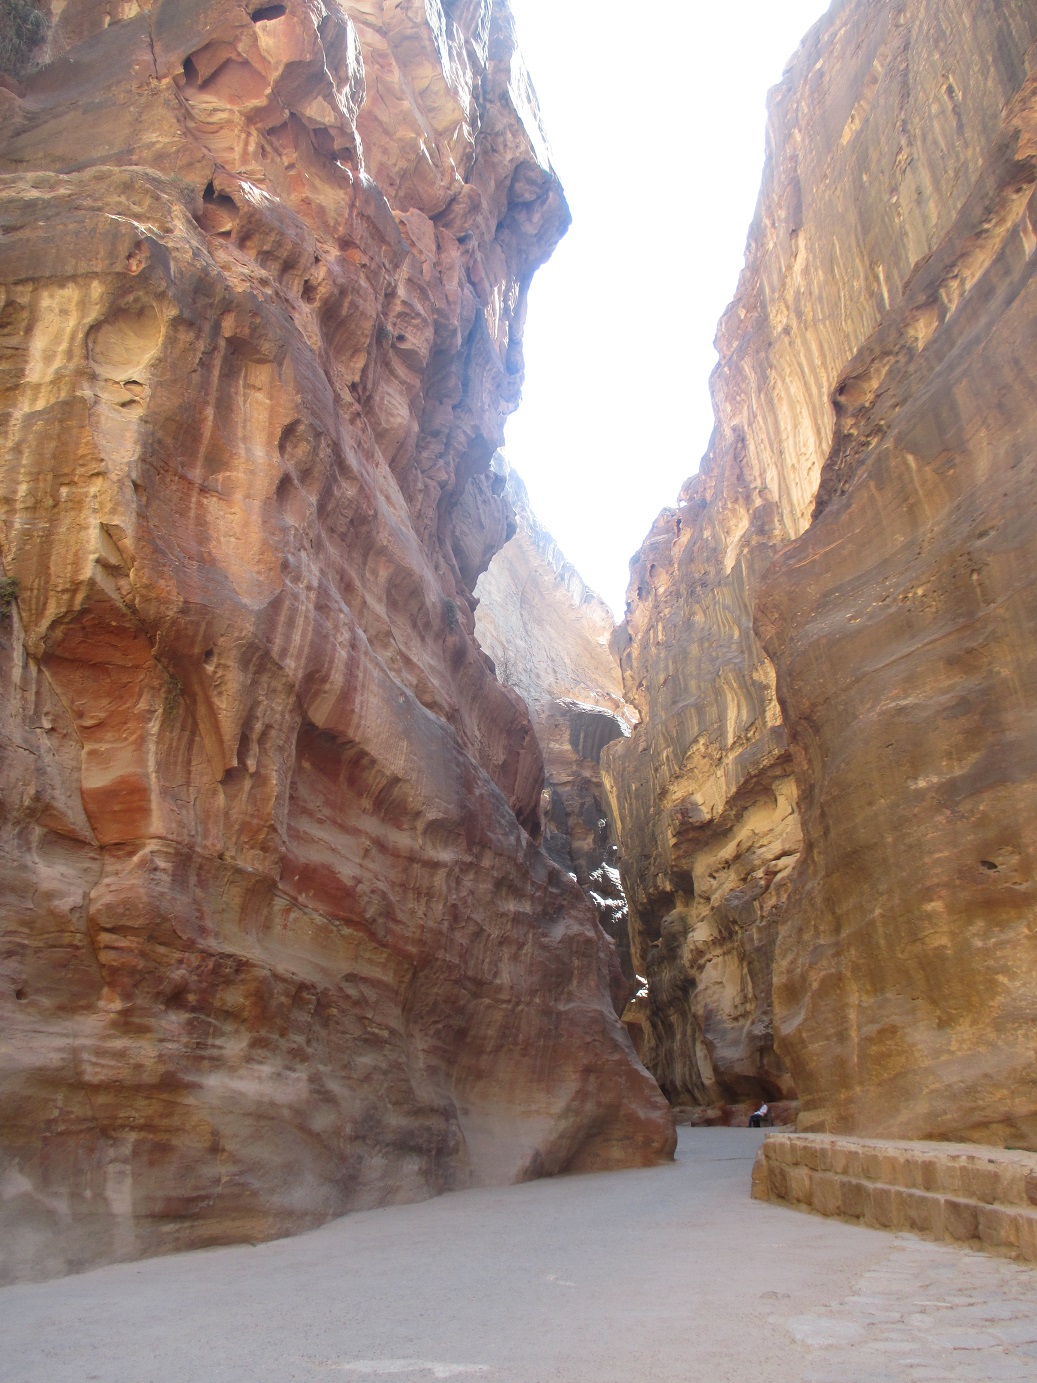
pixel 875 426
pixel 903 626
pixel 278 939
pixel 549 637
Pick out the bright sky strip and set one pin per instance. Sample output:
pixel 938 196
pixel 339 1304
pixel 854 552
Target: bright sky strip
pixel 656 118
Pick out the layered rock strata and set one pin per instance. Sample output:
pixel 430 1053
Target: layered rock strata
pixel 830 638
pixel 278 937
pixel 982 1200
pixel 549 637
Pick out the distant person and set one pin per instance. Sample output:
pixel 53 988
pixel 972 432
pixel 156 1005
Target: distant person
pixel 761 1119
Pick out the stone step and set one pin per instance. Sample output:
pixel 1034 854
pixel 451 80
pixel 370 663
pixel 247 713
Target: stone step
pixel 984 1198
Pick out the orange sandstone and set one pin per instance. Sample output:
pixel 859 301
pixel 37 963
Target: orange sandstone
pixel 278 937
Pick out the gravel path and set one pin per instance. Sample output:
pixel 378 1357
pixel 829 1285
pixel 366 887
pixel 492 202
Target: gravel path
pixel 656 1276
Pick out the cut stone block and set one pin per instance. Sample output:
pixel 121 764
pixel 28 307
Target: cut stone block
pixel 973 1195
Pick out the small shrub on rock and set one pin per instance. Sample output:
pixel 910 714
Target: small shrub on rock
pixel 22 29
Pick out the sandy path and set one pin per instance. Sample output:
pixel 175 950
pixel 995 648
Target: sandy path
pixel 657 1276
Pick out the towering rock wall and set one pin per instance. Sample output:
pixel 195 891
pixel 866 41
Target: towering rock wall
pixel 549 638
pixel 278 938
pixel 903 626
pixel 828 782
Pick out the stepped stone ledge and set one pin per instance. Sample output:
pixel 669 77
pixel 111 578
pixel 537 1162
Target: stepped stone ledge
pixel 980 1197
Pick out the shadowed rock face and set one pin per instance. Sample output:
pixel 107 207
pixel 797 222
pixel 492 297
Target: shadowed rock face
pixel 829 640
pixel 903 626
pixel 278 939
pixel 549 636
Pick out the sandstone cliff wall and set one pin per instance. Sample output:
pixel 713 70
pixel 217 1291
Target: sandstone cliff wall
pixel 842 817
pixel 549 638
pixel 278 939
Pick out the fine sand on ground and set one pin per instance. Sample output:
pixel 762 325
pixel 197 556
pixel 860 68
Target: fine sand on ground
pixel 659 1276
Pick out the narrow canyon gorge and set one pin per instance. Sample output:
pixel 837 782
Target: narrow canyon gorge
pixel 339 826
pixel 549 638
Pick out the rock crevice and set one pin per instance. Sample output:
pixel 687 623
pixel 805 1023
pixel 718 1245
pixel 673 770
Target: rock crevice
pixel 549 637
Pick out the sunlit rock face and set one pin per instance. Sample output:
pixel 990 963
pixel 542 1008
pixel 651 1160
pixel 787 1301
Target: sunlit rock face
pixel 278 937
pixel 549 637
pixel 868 500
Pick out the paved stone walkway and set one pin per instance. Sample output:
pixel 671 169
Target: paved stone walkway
pixel 670 1275
pixel 931 1313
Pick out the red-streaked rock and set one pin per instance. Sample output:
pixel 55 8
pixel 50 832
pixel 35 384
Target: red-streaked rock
pixel 278 937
